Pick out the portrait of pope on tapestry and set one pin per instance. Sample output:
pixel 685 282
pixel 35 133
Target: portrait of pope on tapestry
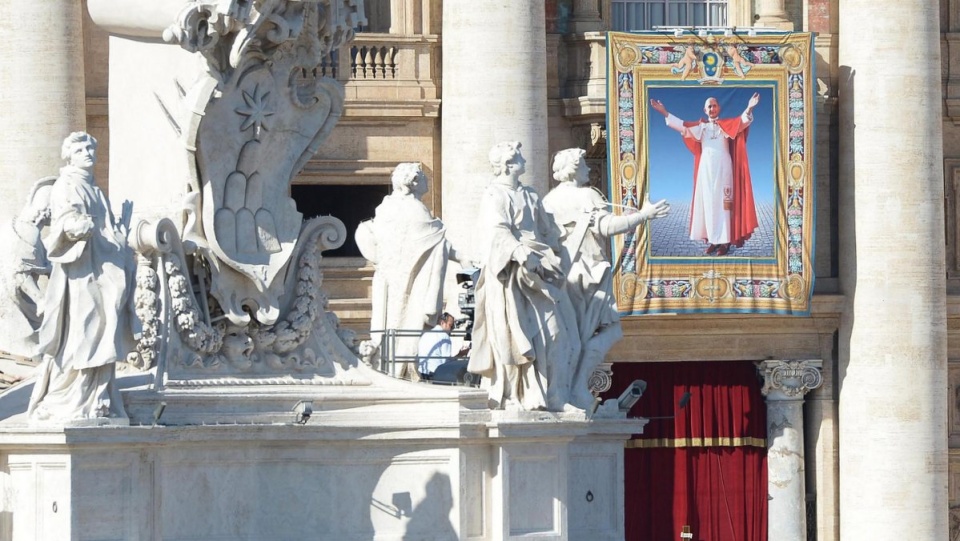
pixel 711 153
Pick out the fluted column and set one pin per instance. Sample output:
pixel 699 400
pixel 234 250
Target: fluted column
pixel 784 385
pixel 42 99
pixel 893 332
pixel 773 13
pixel 494 89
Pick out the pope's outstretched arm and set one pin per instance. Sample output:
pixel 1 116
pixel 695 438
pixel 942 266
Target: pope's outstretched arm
pixel 658 107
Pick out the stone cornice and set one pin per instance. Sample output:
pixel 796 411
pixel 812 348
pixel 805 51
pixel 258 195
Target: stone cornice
pixel 584 106
pixel 384 109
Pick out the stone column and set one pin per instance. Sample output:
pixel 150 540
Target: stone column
pixel 893 331
pixel 773 14
pixel 405 17
pixel 586 16
pixel 784 384
pixel 494 89
pixel 42 99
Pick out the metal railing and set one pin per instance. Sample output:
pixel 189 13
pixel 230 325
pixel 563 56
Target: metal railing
pixel 392 364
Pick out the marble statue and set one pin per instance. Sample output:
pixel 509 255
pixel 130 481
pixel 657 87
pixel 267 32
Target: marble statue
pixel 524 337
pixel 409 249
pixel 86 312
pixel 586 223
pixel 31 261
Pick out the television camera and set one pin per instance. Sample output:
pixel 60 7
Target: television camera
pixel 467 301
pixel 454 371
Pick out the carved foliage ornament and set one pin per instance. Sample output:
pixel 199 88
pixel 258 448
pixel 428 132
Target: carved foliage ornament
pixel 308 340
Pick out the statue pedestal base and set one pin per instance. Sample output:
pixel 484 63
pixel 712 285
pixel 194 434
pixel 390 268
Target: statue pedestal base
pixel 389 461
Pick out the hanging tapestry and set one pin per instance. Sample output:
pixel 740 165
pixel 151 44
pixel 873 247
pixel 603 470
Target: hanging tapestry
pixel 721 126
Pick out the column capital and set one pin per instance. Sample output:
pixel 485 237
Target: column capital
pixel 789 380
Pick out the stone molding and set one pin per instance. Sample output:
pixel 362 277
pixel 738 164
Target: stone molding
pixel 950 75
pixel 789 380
pixel 951 174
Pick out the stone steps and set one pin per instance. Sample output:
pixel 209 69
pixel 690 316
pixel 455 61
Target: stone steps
pixel 348 283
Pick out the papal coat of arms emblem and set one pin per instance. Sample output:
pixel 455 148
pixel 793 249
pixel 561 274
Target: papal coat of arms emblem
pixel 260 114
pixel 711 63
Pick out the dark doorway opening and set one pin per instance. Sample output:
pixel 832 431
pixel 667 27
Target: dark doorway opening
pixel 351 204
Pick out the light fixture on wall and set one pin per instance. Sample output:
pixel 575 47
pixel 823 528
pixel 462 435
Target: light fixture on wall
pixel 677 31
pixel 303 410
pixel 631 395
pixel 158 412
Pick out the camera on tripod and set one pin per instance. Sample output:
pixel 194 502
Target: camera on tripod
pixel 467 301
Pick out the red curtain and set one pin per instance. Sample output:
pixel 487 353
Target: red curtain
pixel 706 465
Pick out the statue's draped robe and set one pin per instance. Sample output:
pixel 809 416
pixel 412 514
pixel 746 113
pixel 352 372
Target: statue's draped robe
pixel 86 323
pixel 524 337
pixel 408 246
pixel 578 212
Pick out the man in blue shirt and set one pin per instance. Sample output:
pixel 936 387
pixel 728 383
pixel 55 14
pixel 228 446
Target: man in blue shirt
pixel 435 347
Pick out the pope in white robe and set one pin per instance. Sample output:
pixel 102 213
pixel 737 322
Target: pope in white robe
pixel 723 213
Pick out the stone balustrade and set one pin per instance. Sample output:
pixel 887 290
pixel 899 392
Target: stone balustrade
pixel 386 67
pixel 373 62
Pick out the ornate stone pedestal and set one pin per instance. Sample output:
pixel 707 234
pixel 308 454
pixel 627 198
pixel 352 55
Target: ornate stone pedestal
pixel 433 464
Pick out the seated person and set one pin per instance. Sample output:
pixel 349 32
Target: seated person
pixel 435 347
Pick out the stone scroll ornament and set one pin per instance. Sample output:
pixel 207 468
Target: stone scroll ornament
pixel 242 273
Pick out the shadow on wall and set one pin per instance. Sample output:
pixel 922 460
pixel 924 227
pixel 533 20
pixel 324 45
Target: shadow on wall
pixel 430 519
pixel 847 244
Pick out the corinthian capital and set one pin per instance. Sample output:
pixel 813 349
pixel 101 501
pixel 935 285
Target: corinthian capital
pixel 790 379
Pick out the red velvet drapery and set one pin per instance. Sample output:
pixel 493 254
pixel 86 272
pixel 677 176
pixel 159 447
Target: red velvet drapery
pixel 706 467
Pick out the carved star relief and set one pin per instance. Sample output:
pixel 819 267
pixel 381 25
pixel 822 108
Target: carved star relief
pixel 256 112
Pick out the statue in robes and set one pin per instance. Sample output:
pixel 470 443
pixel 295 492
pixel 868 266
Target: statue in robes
pixel 586 223
pixel 409 250
pixel 87 320
pixel 525 338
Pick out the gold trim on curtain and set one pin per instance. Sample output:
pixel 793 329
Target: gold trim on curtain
pixel 695 442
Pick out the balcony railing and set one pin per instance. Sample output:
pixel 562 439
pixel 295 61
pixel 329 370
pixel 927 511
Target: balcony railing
pixel 386 67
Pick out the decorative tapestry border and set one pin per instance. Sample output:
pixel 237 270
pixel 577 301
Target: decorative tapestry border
pixel 739 177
